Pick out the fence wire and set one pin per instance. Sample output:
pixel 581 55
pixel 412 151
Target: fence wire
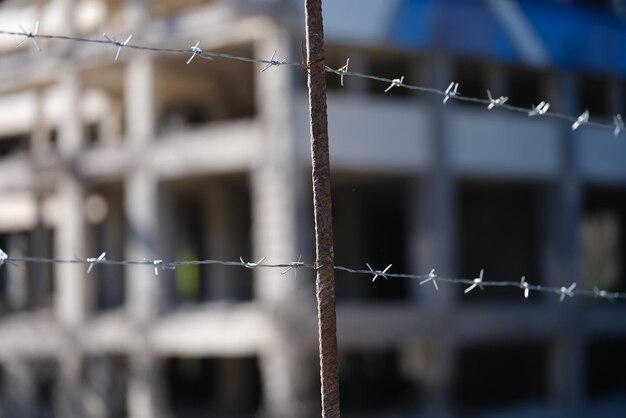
pixel 478 282
pixel 450 93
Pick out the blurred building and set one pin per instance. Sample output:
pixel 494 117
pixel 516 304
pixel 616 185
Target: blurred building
pixel 147 157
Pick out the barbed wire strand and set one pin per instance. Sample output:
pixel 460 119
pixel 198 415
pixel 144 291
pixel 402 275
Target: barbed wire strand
pixel 541 110
pixel 159 264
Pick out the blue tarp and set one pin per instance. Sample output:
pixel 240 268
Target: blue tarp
pixel 574 37
pixel 579 38
pixel 458 27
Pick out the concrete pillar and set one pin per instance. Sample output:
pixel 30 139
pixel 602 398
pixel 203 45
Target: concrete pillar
pixel 274 179
pixel 145 391
pixel 567 375
pixel 438 378
pixel 141 206
pixel 432 212
pixel 141 194
pixel 564 200
pixel 71 290
pixel 564 205
pixel 143 285
pixel 287 379
pixel 18 394
pixel 69 394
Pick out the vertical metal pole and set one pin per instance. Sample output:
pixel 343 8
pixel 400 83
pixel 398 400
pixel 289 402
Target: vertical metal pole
pixel 325 284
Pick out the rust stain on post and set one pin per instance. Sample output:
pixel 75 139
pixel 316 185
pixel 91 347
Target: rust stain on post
pixel 325 284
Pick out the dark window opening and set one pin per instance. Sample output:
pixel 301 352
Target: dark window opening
pixel 91 131
pixel 524 88
pixel 45 375
pixel 228 387
pixel 499 225
pixel 53 137
pixel 105 381
pixel 606 366
pixel 105 212
pixel 336 58
pixel 42 277
pixel 13 144
pixel 391 67
pixel 374 382
pixel 199 94
pixel 370 224
pixel 31 285
pixel 594 96
pixel 472 79
pixel 212 222
pixel 603 239
pixel 501 374
pixel 3 278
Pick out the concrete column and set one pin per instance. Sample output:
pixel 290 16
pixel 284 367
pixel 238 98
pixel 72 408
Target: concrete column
pixel 567 375
pixel 145 391
pixel 141 206
pixel 274 179
pixel 141 194
pixel 140 99
pixel 69 394
pixel 565 200
pixel 432 203
pixel 564 206
pixel 287 379
pixel 71 290
pixel 438 378
pixel 18 393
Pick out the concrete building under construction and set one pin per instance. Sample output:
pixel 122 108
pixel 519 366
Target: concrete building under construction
pixel 146 157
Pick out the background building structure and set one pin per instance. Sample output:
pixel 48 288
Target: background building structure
pixel 147 157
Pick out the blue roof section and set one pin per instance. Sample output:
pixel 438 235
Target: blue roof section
pixel 458 27
pixel 529 32
pixel 580 38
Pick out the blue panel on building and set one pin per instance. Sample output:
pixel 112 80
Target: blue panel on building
pixel 580 38
pixel 458 27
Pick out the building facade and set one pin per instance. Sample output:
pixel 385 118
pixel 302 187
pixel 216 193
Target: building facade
pixel 146 157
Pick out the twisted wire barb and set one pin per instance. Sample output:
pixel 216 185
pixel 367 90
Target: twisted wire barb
pixel 538 111
pixel 523 284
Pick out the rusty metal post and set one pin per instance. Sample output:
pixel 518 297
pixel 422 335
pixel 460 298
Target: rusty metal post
pixel 325 283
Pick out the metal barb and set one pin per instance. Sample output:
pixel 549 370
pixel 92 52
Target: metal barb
pixel 496 102
pixel 3 257
pixel 273 62
pixel 194 51
pixel 156 264
pixel 118 43
pixel 378 273
pixel 343 70
pixel 540 109
pixel 451 91
pixel 251 265
pixel 396 82
pixel 294 266
pixel 30 35
pixel 569 291
pixel 618 123
pixel 523 284
pixel 478 281
pixel 93 261
pixel 582 119
pixel 432 277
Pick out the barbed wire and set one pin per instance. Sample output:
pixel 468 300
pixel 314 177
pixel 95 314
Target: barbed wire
pixel 450 93
pixel 431 277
